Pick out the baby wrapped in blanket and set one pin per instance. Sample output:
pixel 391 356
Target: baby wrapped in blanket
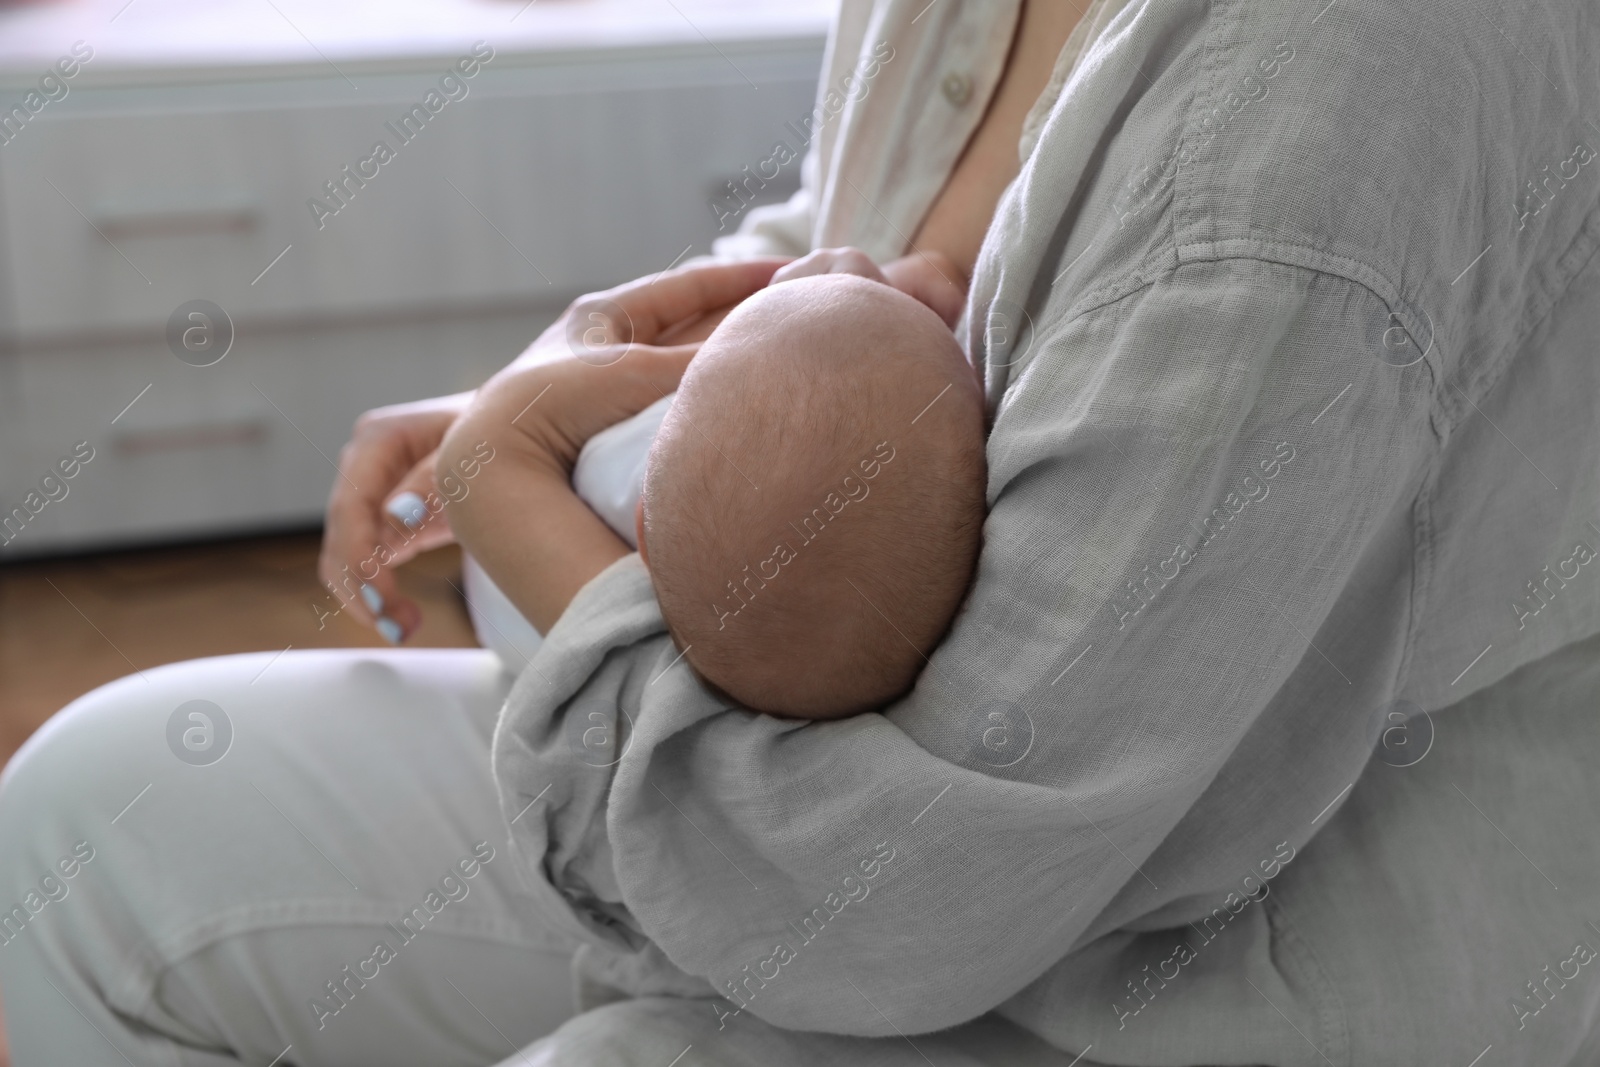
pixel 810 502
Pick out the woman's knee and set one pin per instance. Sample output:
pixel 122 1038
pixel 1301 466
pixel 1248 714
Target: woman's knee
pixel 54 792
pixel 55 811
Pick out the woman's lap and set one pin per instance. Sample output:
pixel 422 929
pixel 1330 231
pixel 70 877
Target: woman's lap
pixel 222 897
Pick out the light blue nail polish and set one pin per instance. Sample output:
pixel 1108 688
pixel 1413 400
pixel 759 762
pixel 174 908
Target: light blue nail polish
pixel 390 630
pixel 372 599
pixel 408 508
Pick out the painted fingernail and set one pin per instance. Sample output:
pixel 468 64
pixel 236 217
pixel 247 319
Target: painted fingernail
pixel 372 599
pixel 408 508
pixel 390 630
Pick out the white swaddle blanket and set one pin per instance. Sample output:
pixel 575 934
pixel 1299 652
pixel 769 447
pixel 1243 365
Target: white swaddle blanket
pixel 609 477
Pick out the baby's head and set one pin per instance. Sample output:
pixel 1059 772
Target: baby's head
pixel 814 502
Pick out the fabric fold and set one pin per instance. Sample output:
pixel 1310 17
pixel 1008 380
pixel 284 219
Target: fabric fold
pixel 1047 780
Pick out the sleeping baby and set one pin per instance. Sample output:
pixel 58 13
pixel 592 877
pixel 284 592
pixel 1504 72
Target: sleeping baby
pixel 812 496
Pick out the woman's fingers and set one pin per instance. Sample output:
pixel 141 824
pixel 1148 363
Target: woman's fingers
pixel 355 581
pixel 361 544
pixel 648 373
pixel 414 522
pixel 550 410
pixel 415 512
pixel 386 507
pixel 692 331
pixel 642 310
pixel 358 580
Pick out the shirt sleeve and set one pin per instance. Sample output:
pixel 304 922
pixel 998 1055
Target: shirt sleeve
pixel 1181 484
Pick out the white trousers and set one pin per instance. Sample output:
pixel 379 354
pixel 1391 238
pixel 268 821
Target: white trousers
pixel 222 898
pixel 336 890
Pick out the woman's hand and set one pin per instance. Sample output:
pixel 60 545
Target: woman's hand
pixel 611 355
pixel 522 521
pixel 383 509
pixel 386 506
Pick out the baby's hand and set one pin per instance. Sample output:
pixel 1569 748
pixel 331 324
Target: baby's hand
pixel 928 277
pixel 932 278
pixel 831 261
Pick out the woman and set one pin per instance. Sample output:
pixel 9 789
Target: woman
pixel 1282 312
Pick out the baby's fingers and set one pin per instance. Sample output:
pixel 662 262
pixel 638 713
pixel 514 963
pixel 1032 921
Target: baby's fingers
pixel 933 279
pixel 830 261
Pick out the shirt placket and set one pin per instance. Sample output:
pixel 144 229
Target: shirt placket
pixel 891 161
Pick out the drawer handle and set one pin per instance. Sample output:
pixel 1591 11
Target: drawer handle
pixel 224 213
pixel 186 438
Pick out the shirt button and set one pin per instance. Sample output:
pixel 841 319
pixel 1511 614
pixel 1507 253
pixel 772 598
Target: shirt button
pixel 957 88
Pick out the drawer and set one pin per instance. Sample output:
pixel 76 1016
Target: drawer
pixel 547 179
pixel 245 443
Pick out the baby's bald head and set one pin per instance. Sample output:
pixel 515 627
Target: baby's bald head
pixel 814 501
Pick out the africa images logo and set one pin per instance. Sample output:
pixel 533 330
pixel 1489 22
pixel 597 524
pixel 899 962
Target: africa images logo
pixel 199 732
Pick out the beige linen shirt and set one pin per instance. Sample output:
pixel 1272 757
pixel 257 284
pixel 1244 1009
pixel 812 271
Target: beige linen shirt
pixel 1287 327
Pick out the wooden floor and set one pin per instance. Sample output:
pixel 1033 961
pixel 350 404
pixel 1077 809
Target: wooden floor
pixel 67 626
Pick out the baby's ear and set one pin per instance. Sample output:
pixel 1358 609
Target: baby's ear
pixel 638 530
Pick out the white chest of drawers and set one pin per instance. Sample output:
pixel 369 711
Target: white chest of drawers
pixel 186 161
